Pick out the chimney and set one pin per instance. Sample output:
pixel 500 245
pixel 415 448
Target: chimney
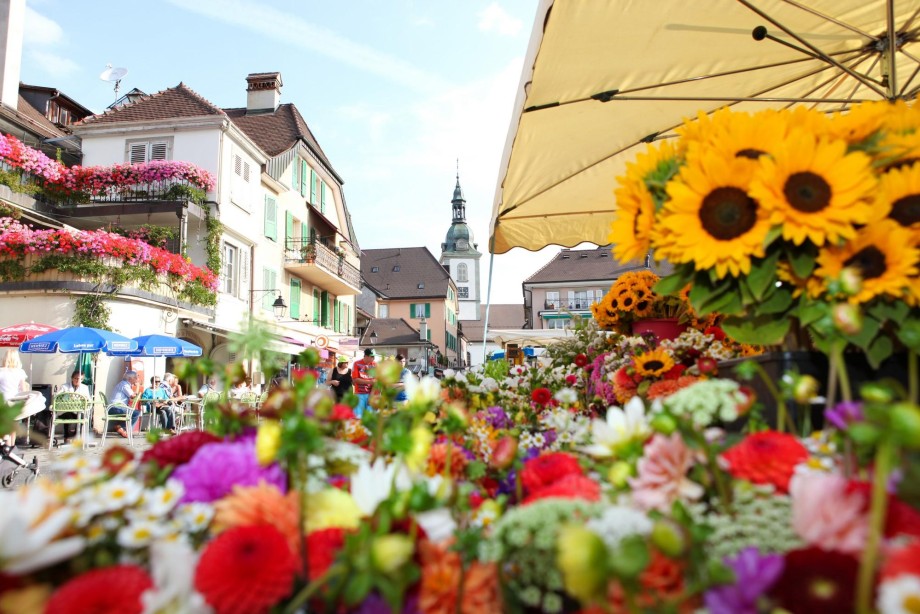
pixel 263 92
pixel 423 329
pixel 12 20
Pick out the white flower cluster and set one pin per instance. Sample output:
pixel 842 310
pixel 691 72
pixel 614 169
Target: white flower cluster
pixel 707 401
pixel 571 429
pixel 617 523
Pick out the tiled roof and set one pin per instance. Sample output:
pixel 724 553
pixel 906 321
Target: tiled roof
pixel 391 331
pixel 500 316
pixel 574 265
pixel 36 119
pixel 279 131
pixel 414 266
pixel 173 102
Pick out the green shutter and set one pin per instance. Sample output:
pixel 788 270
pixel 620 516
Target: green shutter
pixel 316 319
pixel 295 174
pixel 288 228
pixel 324 305
pixel 322 197
pixel 312 187
pixel 411 310
pixel 268 283
pixel 303 234
pixel 295 299
pixel 271 218
pixel 427 310
pixel 303 177
pixel 429 334
pixel 346 322
pixel 338 316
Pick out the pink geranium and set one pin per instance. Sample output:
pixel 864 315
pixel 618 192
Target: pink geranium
pixel 828 514
pixel 662 474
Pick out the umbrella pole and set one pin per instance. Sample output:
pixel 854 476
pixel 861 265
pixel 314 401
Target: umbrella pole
pixel 485 326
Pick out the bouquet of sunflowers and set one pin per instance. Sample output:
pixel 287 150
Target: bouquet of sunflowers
pixel 787 215
pixel 632 298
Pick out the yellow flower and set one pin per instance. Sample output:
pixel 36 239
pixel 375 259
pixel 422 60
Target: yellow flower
pixel 742 135
pixel 331 508
pixel 884 255
pixel 417 458
pixel 390 552
pixel 631 230
pixel 815 189
pixel 653 364
pixel 582 560
pixel 26 600
pixel 859 122
pixel 268 441
pixel 712 219
pixel 898 197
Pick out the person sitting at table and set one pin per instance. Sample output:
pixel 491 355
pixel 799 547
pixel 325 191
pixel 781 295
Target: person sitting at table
pixel 241 388
pixel 157 394
pixel 14 386
pixel 209 386
pixel 77 386
pixel 173 381
pixel 123 395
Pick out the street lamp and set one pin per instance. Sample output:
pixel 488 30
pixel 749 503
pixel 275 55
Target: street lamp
pixel 278 306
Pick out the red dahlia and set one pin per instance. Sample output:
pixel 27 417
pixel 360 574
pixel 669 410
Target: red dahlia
pixel 572 486
pixel 546 469
pixel 816 580
pixel 110 590
pixel 341 412
pixel 717 333
pixel 900 518
pixel 902 561
pixel 322 548
pixel 246 570
pixel 581 360
pixel 766 458
pixel 541 396
pixel 180 449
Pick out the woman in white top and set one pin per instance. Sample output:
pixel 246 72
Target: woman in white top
pixel 13 384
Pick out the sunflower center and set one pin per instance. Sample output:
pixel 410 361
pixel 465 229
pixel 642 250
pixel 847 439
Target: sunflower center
pixel 823 588
pixel 870 261
pixel 906 211
pixel 807 192
pixel 653 365
pixel 750 153
pixel 728 213
pixel 911 604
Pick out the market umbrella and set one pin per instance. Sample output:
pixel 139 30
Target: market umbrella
pixel 160 345
pixel 14 336
pixel 603 78
pixel 78 340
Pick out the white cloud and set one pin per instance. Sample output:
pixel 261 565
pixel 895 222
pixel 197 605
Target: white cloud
pixel 41 31
pixel 494 18
pixel 283 27
pixel 53 64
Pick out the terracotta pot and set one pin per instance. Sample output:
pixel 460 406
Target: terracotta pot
pixel 662 328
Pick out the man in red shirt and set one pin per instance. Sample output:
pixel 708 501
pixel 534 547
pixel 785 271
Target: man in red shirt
pixel 362 376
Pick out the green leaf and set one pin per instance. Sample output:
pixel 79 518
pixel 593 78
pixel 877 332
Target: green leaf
pixel 776 302
pixel 772 235
pixel 762 275
pixel 811 311
pixel 758 330
pixel 359 585
pixel 866 334
pixel 475 470
pixel 802 260
pixel 704 293
pixel 883 310
pixel 631 558
pixel 673 283
pixel 909 334
pixel 879 350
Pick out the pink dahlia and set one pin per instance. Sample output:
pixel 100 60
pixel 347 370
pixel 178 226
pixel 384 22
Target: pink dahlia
pixel 827 514
pixel 662 474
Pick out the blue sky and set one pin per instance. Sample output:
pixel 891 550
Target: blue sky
pixel 394 90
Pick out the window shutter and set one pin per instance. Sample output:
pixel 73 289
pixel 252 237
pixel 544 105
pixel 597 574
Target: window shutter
pixel 312 187
pixel 411 310
pixel 322 197
pixel 295 174
pixel 324 305
pixel 137 153
pixel 303 234
pixel 271 218
pixel 337 316
pixel 316 314
pixel 246 172
pixel 244 273
pixel 427 310
pixel 303 178
pixel 158 151
pixel 429 334
pixel 238 165
pixel 267 297
pixel 295 299
pixel 346 321
pixel 288 229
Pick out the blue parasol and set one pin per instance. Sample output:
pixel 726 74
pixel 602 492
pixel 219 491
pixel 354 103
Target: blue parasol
pixel 78 339
pixel 160 345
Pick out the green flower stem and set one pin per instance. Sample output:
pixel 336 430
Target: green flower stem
pixel 718 477
pixel 831 382
pixel 310 589
pixel 782 412
pixel 378 435
pixel 884 457
pixel 837 361
pixel 912 379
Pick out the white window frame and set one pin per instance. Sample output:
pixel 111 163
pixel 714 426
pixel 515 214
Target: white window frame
pixel 383 311
pixel 139 151
pixel 463 272
pixel 230 268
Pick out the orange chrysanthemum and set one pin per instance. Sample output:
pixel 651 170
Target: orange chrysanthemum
pixel 256 505
pixel 441 574
pixel 437 460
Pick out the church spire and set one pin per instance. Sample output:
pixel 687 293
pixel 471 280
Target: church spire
pixel 458 202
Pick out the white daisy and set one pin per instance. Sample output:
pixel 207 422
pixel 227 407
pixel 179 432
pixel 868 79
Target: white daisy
pixel 195 517
pixel 31 522
pixel 160 501
pixel 900 595
pixel 138 534
pixel 620 427
pixel 119 493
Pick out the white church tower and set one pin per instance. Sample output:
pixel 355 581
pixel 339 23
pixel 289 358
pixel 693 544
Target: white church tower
pixel 460 257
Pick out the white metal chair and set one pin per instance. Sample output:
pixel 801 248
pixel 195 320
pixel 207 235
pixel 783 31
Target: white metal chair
pixel 126 417
pixel 66 403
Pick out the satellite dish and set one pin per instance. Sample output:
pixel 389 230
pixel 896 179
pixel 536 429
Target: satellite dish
pixel 113 75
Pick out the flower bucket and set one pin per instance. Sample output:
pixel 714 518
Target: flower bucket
pixel 662 328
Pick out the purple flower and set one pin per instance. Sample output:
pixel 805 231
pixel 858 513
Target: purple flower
pixel 844 414
pixel 375 604
pixel 497 418
pixel 217 467
pixel 755 573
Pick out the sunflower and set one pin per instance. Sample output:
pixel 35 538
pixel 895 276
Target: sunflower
pixel 645 307
pixel 898 197
pixel 859 122
pixel 815 189
pixel 742 135
pixel 628 301
pixel 810 285
pixel 896 150
pixel 606 317
pixel 654 363
pixel 713 221
pixel 631 229
pixel 883 253
pixel 652 169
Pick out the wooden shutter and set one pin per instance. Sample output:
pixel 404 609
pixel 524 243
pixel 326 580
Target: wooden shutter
pixel 271 218
pixel 158 151
pixel 137 153
pixel 303 178
pixel 324 305
pixel 295 299
pixel 411 310
pixel 288 229
pixel 267 297
pixel 316 312
pixel 303 233
pixel 427 310
pixel 312 187
pixel 322 196
pixel 336 317
pixel 295 174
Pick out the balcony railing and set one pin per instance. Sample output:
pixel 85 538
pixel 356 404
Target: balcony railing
pixel 571 305
pixel 306 251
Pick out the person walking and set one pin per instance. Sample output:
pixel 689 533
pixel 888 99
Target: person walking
pixel 401 395
pixel 362 376
pixel 340 378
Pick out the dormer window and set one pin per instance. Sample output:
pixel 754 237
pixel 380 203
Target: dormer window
pixel 396 269
pixel 375 269
pixel 421 286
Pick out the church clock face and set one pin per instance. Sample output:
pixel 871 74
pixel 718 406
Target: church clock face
pixel 463 244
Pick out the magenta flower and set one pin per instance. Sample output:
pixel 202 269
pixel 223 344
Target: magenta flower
pixel 755 574
pixel 216 468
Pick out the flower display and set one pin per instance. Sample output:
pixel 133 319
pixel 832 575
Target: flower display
pixel 631 298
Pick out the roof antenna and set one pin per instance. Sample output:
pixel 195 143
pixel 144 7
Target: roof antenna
pixel 113 75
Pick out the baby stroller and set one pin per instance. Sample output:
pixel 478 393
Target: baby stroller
pixel 11 463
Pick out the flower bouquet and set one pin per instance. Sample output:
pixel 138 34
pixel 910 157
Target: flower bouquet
pixel 787 216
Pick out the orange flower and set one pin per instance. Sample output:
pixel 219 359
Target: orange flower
pixel 437 459
pixel 661 588
pixel 667 387
pixel 262 504
pixel 441 576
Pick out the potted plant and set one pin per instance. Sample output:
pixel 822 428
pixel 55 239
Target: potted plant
pixel 308 252
pixel 632 306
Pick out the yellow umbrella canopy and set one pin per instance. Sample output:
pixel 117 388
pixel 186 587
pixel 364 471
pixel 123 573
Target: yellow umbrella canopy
pixel 603 77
